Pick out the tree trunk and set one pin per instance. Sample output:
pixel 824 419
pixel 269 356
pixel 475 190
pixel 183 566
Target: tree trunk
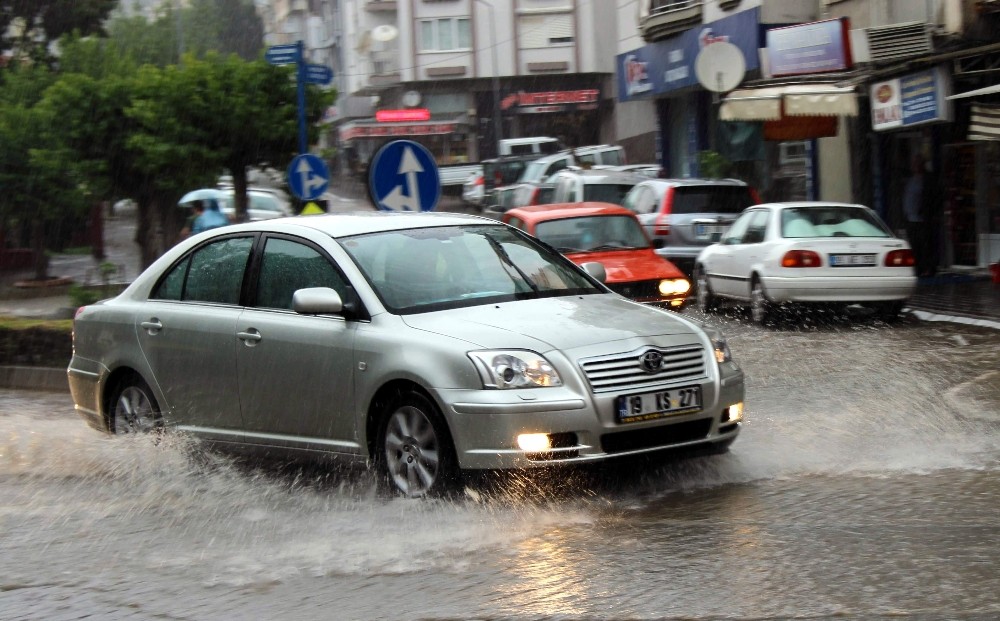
pixel 39 256
pixel 240 192
pixel 145 233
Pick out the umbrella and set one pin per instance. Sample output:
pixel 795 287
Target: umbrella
pixel 201 195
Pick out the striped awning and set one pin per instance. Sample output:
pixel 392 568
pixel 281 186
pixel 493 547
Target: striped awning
pixel 984 122
pixel 771 103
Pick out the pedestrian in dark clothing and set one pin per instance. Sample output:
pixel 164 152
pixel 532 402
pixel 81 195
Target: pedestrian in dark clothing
pixel 918 203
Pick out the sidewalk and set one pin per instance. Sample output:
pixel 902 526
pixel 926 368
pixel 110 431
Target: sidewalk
pixel 966 296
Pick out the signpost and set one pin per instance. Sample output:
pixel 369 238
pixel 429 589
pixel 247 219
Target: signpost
pixel 292 54
pixel 404 177
pixel 308 176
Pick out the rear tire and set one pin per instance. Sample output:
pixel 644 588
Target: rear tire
pixel 762 309
pixel 707 300
pixel 134 409
pixel 414 454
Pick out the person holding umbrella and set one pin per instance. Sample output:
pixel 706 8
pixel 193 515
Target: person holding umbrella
pixel 205 212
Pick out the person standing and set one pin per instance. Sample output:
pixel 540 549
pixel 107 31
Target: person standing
pixel 916 193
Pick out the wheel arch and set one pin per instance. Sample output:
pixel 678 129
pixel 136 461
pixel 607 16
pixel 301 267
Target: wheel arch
pixel 381 400
pixel 111 384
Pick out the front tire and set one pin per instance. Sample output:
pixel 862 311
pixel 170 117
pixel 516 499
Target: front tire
pixel 707 300
pixel 414 452
pixel 134 409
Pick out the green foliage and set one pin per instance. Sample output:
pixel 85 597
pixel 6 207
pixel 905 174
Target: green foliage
pixel 714 165
pixel 28 26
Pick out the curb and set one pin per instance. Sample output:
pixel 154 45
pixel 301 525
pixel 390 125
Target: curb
pixel 34 378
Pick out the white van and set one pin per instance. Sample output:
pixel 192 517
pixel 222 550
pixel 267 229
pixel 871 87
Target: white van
pixel 538 145
pixel 584 157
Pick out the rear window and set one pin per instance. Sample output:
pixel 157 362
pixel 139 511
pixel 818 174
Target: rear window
pixel 711 199
pixel 606 192
pixel 832 221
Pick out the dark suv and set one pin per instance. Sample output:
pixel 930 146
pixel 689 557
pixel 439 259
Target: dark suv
pixel 688 214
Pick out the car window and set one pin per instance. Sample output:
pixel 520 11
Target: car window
pixel 711 199
pixel 639 199
pixel 213 273
pixel 264 203
pixel 735 233
pixel 756 227
pixel 612 157
pixel 606 192
pixel 556 166
pixel 592 232
pixel 288 266
pixel 449 267
pixel 832 221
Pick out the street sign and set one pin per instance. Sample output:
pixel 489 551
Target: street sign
pixel 319 74
pixel 282 54
pixel 404 177
pixel 308 176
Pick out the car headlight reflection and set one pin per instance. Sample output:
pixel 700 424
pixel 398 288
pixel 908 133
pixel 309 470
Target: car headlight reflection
pixel 514 369
pixel 674 286
pixel 722 353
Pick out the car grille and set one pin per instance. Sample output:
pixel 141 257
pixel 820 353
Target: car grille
pixel 638 439
pixel 641 290
pixel 623 372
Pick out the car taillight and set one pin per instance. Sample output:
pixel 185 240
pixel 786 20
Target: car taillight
pixel 479 180
pixel 801 258
pixel 661 226
pixel 900 258
pixel 754 196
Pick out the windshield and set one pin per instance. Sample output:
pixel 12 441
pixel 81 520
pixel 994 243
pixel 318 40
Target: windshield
pixel 606 192
pixel 420 270
pixel 592 233
pixel 832 221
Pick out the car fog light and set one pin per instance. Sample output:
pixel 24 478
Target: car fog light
pixel 674 287
pixel 736 412
pixel 533 442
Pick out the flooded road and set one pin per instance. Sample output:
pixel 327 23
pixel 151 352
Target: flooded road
pixel 864 486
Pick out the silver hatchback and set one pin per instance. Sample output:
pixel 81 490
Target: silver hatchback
pixel 688 214
pixel 423 344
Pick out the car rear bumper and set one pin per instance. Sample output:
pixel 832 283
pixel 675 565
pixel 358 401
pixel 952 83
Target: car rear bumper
pixel 86 379
pixel 840 288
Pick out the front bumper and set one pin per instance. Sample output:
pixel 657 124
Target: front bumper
pixel 485 424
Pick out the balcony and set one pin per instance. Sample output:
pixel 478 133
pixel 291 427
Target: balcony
pixel 669 17
pixel 384 69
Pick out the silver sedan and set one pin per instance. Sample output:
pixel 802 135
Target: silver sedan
pixel 422 344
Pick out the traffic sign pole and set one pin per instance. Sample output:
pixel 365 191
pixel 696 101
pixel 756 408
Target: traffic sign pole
pixel 300 68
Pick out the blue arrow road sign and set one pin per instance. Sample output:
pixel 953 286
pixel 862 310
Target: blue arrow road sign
pixel 319 74
pixel 404 177
pixel 308 176
pixel 282 54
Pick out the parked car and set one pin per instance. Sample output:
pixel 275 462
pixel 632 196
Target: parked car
pixel 612 236
pixel 811 252
pixel 646 170
pixel 472 191
pixel 423 343
pixel 602 185
pixel 503 171
pixel 500 200
pixel 533 193
pixel 688 214
pixel 263 204
pixel 596 155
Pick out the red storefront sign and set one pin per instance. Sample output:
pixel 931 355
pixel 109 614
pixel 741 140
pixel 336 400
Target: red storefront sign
pixel 380 131
pixel 399 116
pixel 550 98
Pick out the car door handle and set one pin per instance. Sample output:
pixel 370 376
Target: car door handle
pixel 250 337
pixel 152 326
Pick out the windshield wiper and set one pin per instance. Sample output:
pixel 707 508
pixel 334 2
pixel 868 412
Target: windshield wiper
pixel 505 258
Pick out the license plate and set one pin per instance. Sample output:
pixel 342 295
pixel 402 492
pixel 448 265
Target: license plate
pixel 852 260
pixel 705 231
pixel 653 405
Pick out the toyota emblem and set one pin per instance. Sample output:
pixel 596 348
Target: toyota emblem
pixel 651 361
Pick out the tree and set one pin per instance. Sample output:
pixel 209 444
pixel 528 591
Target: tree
pixel 28 26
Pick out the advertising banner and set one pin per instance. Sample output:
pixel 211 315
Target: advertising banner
pixel 912 99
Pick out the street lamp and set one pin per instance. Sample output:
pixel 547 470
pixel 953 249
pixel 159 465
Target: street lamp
pixel 497 122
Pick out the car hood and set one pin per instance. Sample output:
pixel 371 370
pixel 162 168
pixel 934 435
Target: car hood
pixel 564 323
pixel 629 265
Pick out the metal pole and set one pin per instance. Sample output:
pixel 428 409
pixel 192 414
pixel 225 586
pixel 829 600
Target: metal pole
pixel 497 121
pixel 300 78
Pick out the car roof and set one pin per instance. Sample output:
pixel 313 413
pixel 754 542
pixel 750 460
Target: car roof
pixel 601 175
pixel 695 181
pixel 809 205
pixel 361 222
pixel 558 211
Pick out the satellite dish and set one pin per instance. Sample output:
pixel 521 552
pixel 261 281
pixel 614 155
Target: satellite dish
pixel 384 33
pixel 720 66
pixel 411 99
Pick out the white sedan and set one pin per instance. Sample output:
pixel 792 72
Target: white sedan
pixel 809 252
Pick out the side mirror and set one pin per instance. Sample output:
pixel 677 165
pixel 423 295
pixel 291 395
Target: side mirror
pixel 317 301
pixel 596 270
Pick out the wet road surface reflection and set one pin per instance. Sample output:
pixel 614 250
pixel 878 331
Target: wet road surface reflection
pixel 864 485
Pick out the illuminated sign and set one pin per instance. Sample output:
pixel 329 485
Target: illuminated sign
pixel 552 101
pixel 401 116
pixel 350 132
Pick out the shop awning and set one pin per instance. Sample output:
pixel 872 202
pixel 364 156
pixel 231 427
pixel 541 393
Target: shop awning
pixel 989 90
pixel 769 103
pixel 984 122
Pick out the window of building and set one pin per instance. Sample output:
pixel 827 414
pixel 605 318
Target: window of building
pixel 541 31
pixel 449 33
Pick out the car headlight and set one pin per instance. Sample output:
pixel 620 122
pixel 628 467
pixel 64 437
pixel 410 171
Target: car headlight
pixel 674 286
pixel 719 345
pixel 514 369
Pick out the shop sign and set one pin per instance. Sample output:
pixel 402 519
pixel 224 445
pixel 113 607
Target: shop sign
pixel 665 66
pixel 350 132
pixel 551 101
pixel 815 47
pixel 912 99
pixel 398 116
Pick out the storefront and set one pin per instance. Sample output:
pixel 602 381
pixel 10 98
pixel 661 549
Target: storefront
pixel 447 140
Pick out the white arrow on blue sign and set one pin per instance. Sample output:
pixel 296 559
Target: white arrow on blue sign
pixel 319 74
pixel 282 54
pixel 404 177
pixel 308 176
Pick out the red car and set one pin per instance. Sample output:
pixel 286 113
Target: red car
pixel 610 235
